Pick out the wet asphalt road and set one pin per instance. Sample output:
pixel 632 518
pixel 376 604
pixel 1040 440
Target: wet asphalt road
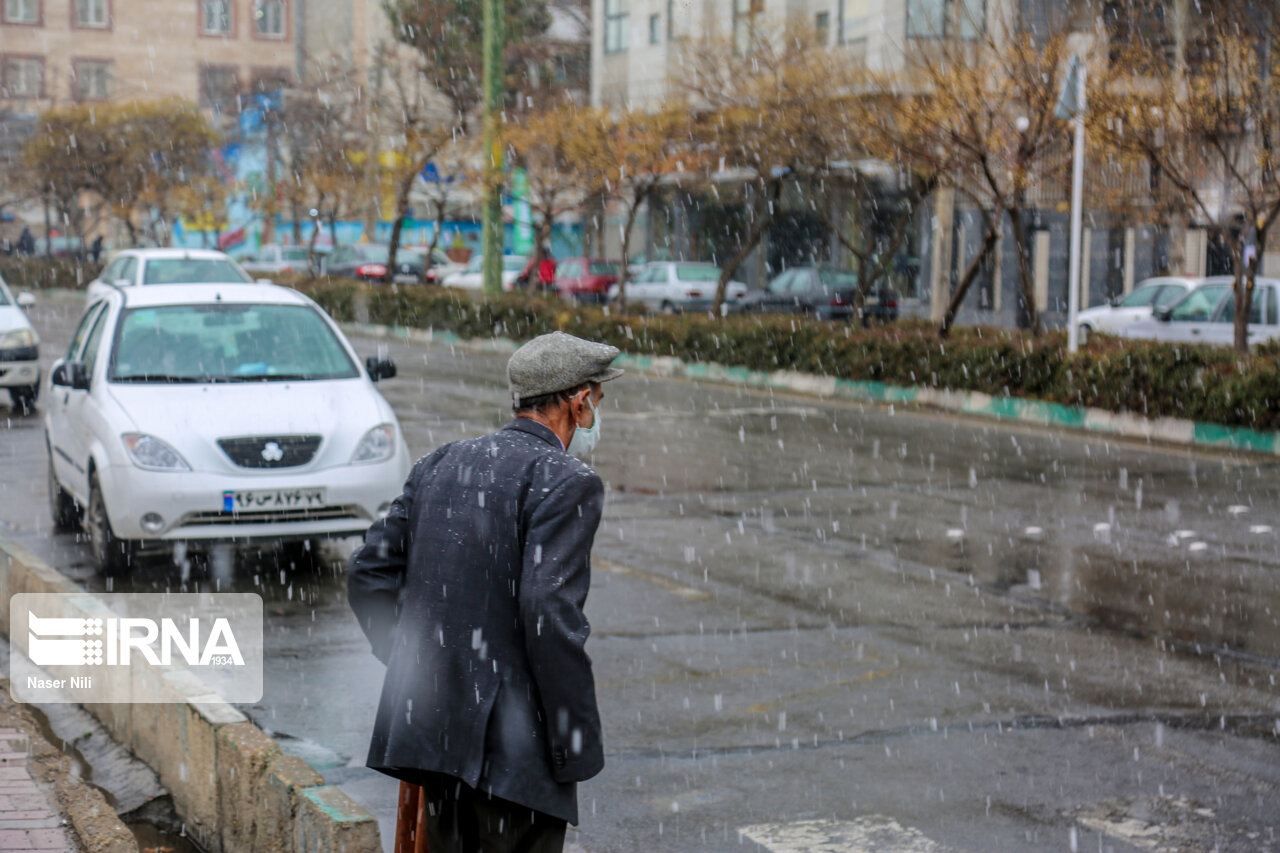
pixel 826 626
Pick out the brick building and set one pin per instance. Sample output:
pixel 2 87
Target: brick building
pixel 61 51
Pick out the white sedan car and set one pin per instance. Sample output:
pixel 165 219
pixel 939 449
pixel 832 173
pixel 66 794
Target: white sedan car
pixel 135 267
pixel 19 349
pixel 1149 296
pixel 216 413
pixel 471 277
pixel 1206 315
pixel 675 286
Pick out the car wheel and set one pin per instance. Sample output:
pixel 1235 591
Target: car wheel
pixel 62 507
pixel 24 398
pixel 1083 334
pixel 668 309
pixel 112 556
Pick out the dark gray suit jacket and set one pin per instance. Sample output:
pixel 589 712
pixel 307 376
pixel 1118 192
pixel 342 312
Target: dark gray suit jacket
pixel 471 592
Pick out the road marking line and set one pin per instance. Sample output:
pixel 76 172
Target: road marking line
pixel 871 834
pixel 669 585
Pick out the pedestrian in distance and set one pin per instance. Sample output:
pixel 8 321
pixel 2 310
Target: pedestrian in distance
pixel 547 270
pixel 471 591
pixel 96 249
pixel 26 242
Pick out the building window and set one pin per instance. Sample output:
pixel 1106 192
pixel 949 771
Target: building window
pixel 22 11
pixel 22 77
pixel 822 28
pixel 215 17
pixel 655 29
pixel 268 81
pixel 219 86
pixel 91 79
pixel 268 18
pixel 616 22
pixel 93 14
pixel 946 18
pixel 746 14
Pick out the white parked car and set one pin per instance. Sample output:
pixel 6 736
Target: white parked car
pixel 676 286
pixel 19 349
pixel 472 278
pixel 1149 296
pixel 1206 315
pixel 226 413
pixel 136 267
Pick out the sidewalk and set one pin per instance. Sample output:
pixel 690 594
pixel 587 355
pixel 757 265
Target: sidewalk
pixel 28 820
pixel 44 804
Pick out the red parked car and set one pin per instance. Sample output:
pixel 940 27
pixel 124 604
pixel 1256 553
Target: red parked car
pixel 586 279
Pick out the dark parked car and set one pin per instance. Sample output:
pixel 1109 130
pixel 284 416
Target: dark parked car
pixel 822 292
pixel 368 262
pixel 586 279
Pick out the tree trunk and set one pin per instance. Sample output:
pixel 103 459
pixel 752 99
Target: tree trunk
pixel 623 275
pixel 402 209
pixel 441 204
pixel 1026 282
pixel 970 273
pixel 1244 292
pixel 754 235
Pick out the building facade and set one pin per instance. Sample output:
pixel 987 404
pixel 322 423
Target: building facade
pixel 67 51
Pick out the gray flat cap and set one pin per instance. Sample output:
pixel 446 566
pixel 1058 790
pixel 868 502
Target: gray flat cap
pixel 558 362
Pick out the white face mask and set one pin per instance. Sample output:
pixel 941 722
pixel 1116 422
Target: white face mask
pixel 585 439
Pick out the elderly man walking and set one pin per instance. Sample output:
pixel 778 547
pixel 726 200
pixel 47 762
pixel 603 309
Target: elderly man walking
pixel 471 591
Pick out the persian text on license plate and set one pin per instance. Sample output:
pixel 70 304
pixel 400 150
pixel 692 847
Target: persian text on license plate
pixel 265 500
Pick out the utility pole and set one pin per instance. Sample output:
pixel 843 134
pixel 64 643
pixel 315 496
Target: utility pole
pixel 491 228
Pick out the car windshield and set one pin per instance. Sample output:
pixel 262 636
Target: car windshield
pixel 837 280
pixel 1141 298
pixel 603 268
pixel 1198 305
pixel 192 271
pixel 688 272
pixel 296 254
pixel 227 342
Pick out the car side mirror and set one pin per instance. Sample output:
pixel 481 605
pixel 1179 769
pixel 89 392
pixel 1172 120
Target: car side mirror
pixel 26 299
pixel 1163 314
pixel 380 368
pixel 71 374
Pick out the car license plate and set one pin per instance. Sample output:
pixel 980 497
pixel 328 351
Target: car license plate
pixel 266 500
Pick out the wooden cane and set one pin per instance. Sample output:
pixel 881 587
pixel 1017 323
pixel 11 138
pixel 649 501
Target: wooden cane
pixel 411 836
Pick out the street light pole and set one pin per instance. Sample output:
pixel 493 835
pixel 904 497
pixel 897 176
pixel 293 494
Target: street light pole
pixel 491 227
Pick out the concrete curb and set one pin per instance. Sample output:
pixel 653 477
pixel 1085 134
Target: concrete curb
pixel 1165 430
pixel 231 783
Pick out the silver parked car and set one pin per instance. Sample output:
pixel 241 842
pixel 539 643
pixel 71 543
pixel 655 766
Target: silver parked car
pixel 1206 315
pixel 1149 296
pixel 272 259
pixel 675 286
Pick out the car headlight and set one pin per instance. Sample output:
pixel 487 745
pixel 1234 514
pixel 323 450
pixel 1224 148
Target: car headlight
pixel 151 453
pixel 18 339
pixel 378 444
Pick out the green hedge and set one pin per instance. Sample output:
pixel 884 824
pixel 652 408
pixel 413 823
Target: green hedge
pixel 1200 383
pixel 37 273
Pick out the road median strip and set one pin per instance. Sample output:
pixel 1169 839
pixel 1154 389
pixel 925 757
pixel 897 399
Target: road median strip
pixel 237 791
pixel 1175 431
